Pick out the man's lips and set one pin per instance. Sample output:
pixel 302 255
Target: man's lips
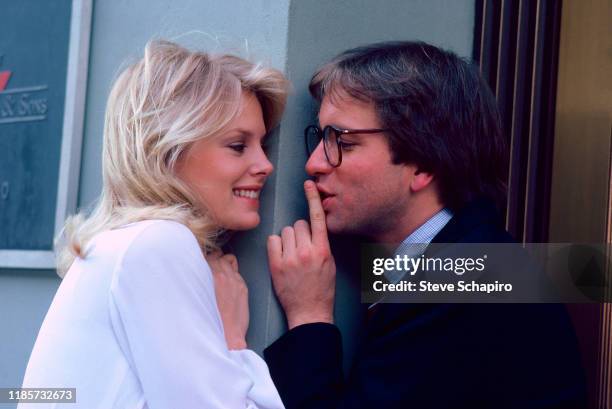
pixel 326 197
pixel 323 191
pixel 325 203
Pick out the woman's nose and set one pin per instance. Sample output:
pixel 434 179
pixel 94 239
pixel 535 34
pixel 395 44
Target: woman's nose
pixel 262 165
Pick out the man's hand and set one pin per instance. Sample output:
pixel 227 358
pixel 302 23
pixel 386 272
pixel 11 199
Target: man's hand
pixel 232 298
pixel 302 266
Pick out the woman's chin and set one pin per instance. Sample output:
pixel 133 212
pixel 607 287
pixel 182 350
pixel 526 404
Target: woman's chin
pixel 243 223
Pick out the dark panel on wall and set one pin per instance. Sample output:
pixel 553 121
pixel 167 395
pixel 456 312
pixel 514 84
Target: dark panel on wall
pixel 33 63
pixel 516 44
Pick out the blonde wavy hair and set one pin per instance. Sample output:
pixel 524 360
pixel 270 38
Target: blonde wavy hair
pixel 156 109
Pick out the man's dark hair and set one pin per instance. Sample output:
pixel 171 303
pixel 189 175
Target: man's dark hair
pixel 441 115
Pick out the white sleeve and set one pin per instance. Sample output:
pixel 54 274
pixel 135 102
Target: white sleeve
pixel 163 305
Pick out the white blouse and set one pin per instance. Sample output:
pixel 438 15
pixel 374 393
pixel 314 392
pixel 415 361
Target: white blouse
pixel 136 325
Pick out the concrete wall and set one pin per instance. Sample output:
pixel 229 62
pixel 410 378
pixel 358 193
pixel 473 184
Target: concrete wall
pixel 24 299
pixel 295 36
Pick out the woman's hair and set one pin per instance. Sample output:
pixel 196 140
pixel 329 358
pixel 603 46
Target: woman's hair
pixel 156 109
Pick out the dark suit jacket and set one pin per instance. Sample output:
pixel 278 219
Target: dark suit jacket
pixel 438 355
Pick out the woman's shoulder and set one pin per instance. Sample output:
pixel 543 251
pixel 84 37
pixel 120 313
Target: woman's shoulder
pixel 158 248
pixel 157 230
pixel 151 238
pixel 154 232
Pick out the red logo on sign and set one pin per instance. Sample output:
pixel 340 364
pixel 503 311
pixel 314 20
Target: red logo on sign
pixel 4 77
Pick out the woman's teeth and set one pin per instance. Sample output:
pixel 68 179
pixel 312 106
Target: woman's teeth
pixel 251 194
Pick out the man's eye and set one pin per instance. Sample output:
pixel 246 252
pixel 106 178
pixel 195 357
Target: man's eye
pixel 346 146
pixel 238 147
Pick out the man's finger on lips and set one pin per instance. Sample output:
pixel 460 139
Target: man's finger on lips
pixel 317 215
pixel 302 233
pixel 288 238
pixel 275 252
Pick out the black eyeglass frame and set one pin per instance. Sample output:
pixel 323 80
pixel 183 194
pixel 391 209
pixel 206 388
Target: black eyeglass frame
pixel 339 132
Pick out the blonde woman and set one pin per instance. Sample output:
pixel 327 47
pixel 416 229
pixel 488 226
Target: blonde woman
pixel 135 322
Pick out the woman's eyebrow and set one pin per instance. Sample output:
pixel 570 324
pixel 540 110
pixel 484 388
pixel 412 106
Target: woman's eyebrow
pixel 245 132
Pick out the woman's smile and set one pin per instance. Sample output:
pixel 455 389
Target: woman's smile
pixel 232 161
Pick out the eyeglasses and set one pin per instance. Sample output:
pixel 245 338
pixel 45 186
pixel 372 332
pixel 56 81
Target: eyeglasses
pixel 332 141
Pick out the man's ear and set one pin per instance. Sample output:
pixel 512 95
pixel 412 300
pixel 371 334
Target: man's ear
pixel 421 180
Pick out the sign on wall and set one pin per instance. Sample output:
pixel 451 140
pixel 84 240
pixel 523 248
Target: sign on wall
pixel 43 67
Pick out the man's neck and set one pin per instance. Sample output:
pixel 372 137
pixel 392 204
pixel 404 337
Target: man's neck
pixel 408 223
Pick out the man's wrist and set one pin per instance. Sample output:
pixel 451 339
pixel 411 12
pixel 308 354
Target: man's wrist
pixel 298 320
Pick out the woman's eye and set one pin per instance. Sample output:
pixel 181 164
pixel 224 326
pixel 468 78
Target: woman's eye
pixel 238 147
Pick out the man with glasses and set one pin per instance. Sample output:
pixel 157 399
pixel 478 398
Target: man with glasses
pixel 408 150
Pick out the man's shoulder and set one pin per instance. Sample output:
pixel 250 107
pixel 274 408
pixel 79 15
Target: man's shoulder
pixel 477 222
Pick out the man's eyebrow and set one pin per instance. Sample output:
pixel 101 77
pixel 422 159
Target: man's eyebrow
pixel 352 135
pixel 338 125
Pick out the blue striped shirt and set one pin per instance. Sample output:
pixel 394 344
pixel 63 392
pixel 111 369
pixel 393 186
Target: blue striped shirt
pixel 415 244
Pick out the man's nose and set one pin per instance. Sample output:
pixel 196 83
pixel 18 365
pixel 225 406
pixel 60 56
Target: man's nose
pixel 317 163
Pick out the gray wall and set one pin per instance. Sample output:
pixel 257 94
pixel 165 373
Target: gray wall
pixel 295 36
pixel 24 299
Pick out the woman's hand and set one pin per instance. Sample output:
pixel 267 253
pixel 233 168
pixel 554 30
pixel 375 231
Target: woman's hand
pixel 232 298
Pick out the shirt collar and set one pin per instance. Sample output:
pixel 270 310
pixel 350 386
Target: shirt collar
pixel 428 230
pixel 416 243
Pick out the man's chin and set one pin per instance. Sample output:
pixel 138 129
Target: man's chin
pixel 333 227
pixel 338 228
